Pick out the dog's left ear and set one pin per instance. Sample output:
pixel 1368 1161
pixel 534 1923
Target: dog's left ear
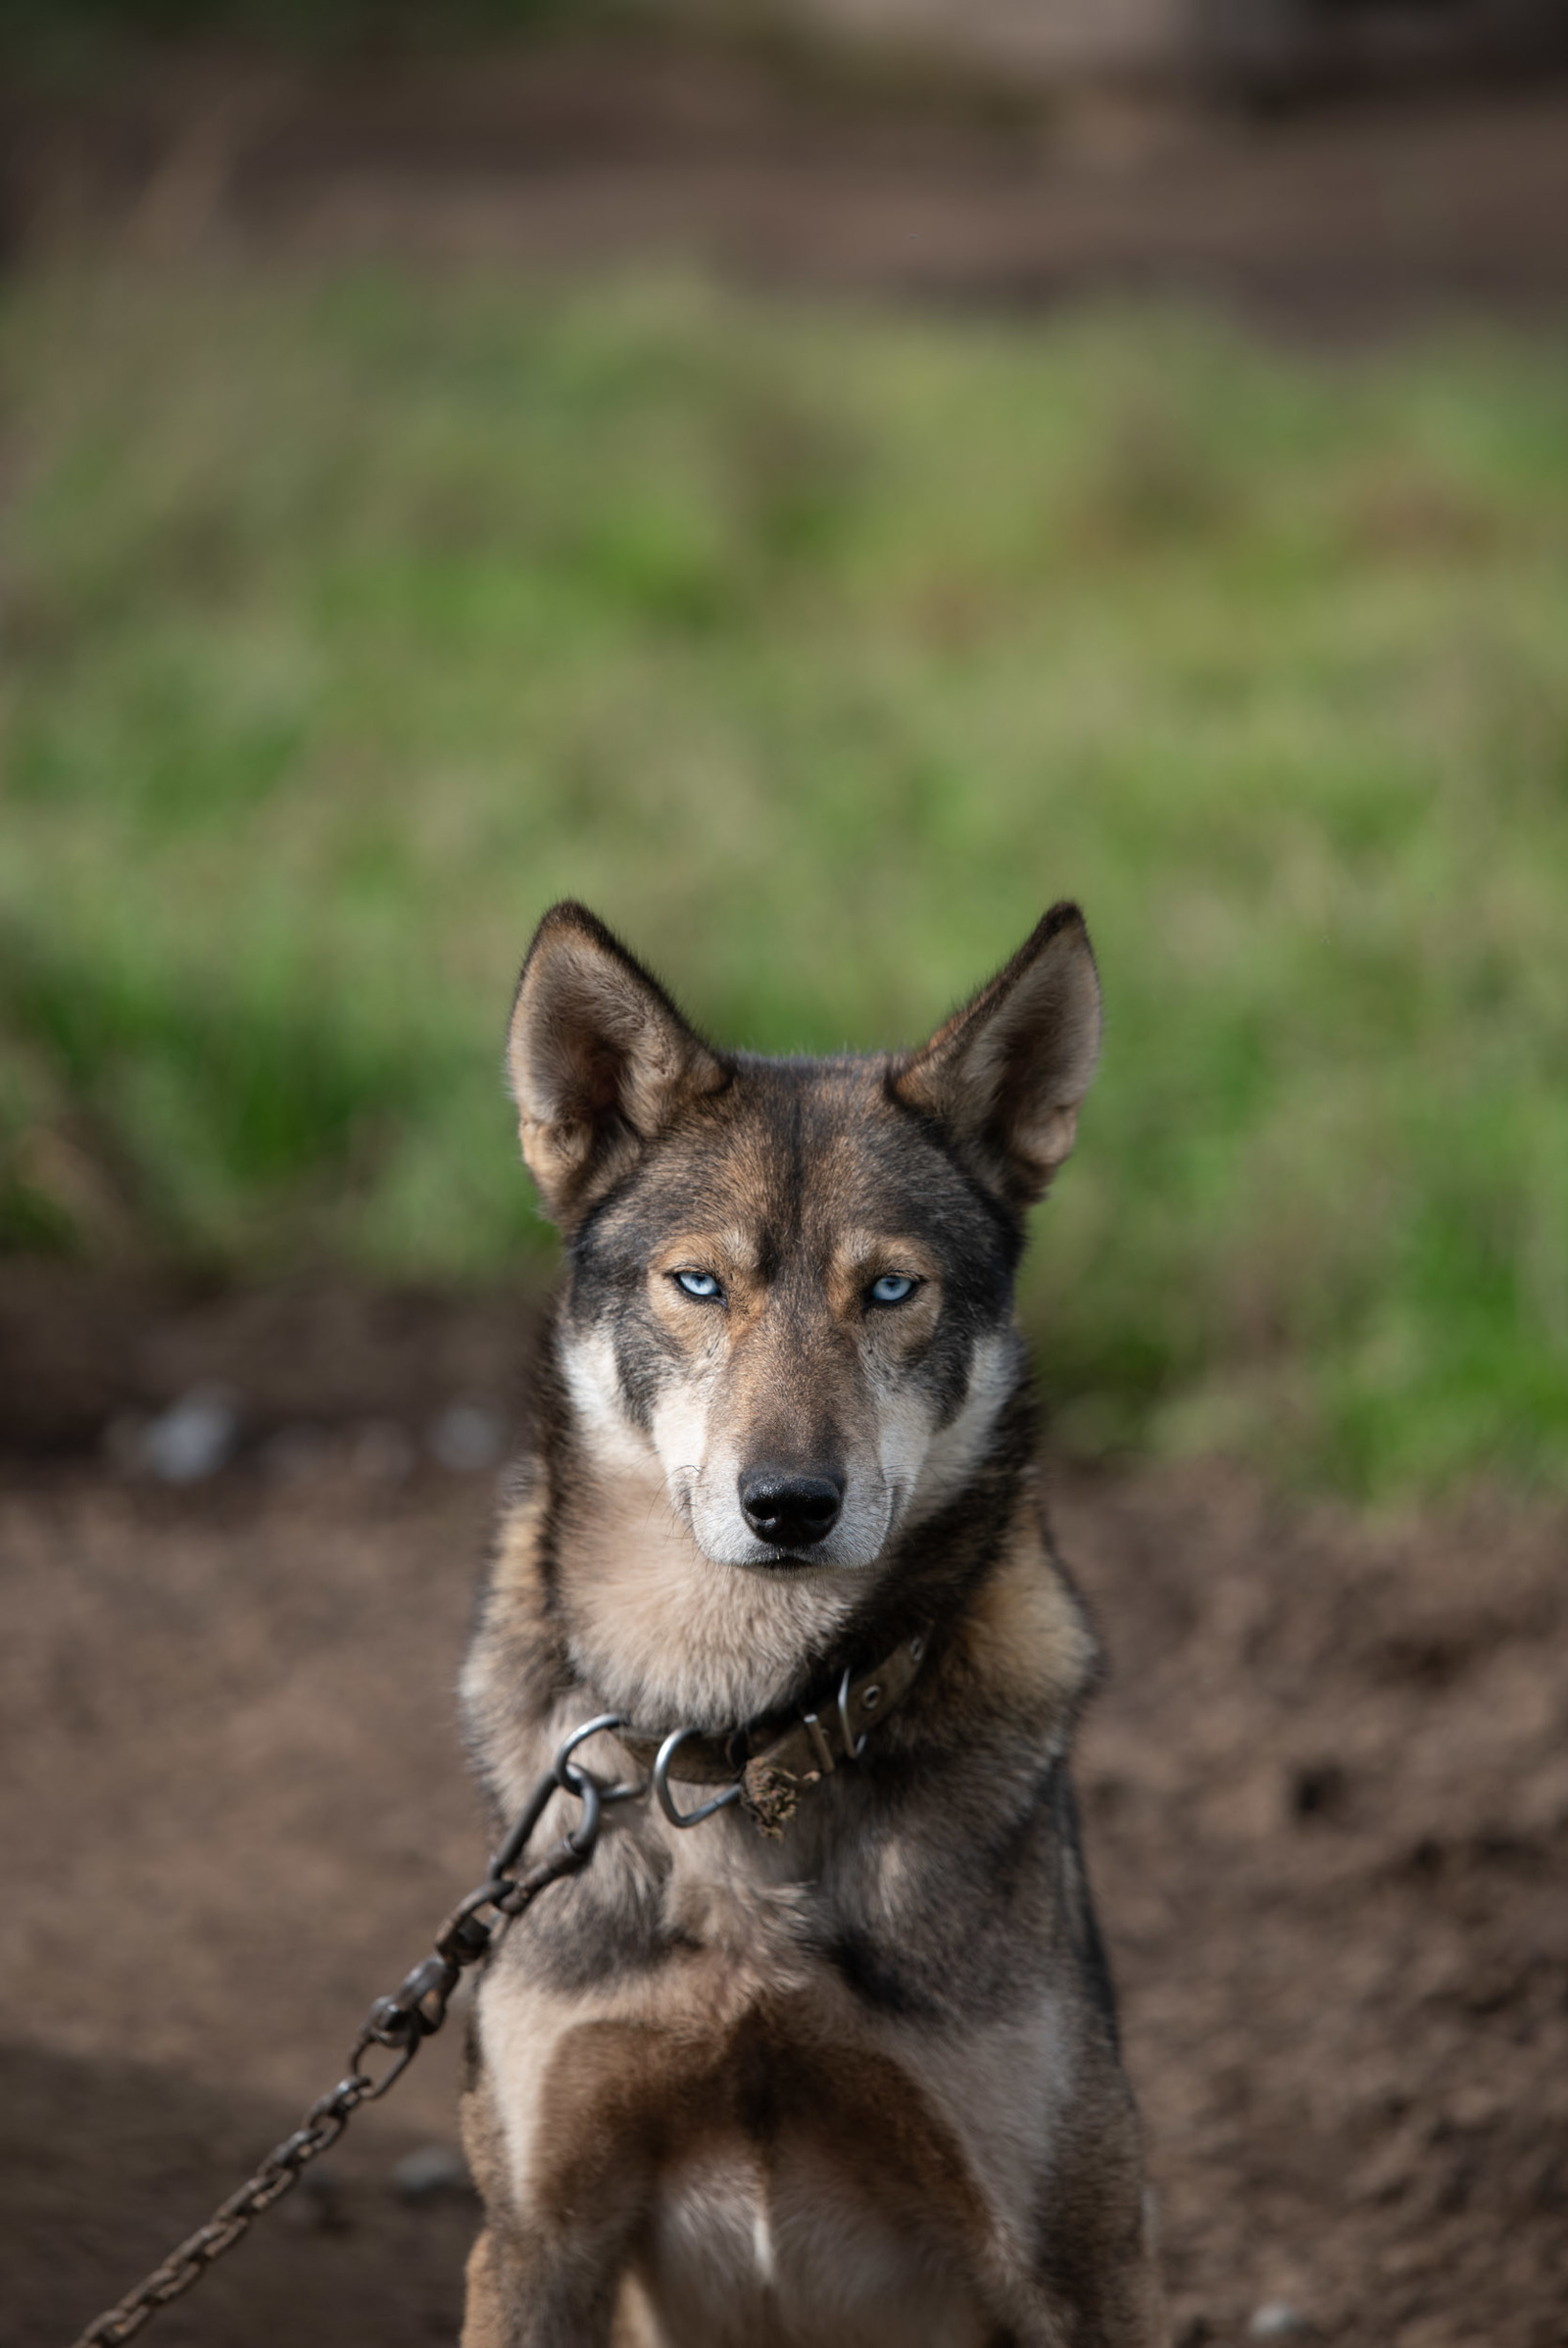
pixel 600 1060
pixel 1007 1076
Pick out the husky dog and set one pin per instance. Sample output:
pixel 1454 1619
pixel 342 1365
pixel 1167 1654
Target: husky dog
pixel 838 2065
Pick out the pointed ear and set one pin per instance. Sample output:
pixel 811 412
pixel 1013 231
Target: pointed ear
pixel 1007 1075
pixel 600 1060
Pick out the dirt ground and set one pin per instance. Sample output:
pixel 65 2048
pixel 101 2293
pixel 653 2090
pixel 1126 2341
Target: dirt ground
pixel 630 153
pixel 1327 1801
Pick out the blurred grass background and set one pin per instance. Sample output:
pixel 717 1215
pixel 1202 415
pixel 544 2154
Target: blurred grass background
pixel 351 617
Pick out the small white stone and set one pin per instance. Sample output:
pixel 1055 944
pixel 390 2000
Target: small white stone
pixel 193 1437
pixel 1275 2320
pixel 466 1436
pixel 433 2168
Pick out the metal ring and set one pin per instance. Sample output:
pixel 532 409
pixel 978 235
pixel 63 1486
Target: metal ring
pixel 590 1728
pixel 585 1833
pixel 684 1818
pixel 852 1748
pixel 568 1778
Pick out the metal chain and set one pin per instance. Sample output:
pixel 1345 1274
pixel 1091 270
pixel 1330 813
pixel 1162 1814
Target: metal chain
pixel 401 2023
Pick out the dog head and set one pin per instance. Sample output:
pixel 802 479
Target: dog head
pixel 791 1281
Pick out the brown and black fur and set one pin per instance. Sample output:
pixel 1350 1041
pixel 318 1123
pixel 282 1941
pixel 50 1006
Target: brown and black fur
pixel 861 2082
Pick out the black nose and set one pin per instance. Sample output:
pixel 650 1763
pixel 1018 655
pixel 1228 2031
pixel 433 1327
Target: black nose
pixel 790 1512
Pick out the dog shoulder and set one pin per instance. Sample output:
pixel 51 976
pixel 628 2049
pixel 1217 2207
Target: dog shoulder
pixel 516 1668
pixel 1025 1635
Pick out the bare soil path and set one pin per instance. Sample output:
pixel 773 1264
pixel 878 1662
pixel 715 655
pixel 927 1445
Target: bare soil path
pixel 1327 1799
pixel 624 153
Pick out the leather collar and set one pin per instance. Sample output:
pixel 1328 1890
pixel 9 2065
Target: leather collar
pixel 772 1766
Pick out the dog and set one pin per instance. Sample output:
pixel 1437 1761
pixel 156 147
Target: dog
pixel 839 2063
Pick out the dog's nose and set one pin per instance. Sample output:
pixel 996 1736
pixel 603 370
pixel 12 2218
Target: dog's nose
pixel 790 1512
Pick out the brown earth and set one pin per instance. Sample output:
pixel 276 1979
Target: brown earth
pixel 1327 1801
pixel 813 171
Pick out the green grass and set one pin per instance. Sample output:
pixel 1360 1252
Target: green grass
pixel 350 621
pixel 54 44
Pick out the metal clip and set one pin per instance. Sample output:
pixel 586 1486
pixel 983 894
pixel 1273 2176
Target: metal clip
pixel 667 1800
pixel 819 1743
pixel 854 1747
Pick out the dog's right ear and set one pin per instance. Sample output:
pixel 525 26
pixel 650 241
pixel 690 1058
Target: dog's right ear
pixel 600 1060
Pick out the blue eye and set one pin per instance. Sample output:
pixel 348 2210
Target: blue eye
pixel 893 1287
pixel 699 1284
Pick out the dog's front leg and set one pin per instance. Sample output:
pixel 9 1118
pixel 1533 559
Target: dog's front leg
pixel 1096 2277
pixel 526 2292
pixel 561 2228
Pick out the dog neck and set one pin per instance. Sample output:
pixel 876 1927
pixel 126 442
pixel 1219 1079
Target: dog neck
pixel 658 1631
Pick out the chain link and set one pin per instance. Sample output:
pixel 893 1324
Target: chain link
pixel 398 2024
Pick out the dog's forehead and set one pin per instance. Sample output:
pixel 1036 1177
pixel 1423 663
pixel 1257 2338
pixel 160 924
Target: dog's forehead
pixel 793 1152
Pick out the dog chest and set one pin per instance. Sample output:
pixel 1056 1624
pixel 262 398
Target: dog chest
pixel 785 2168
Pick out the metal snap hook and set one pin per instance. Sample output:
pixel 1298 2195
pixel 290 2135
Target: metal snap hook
pixel 569 1781
pixel 854 1747
pixel 667 1800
